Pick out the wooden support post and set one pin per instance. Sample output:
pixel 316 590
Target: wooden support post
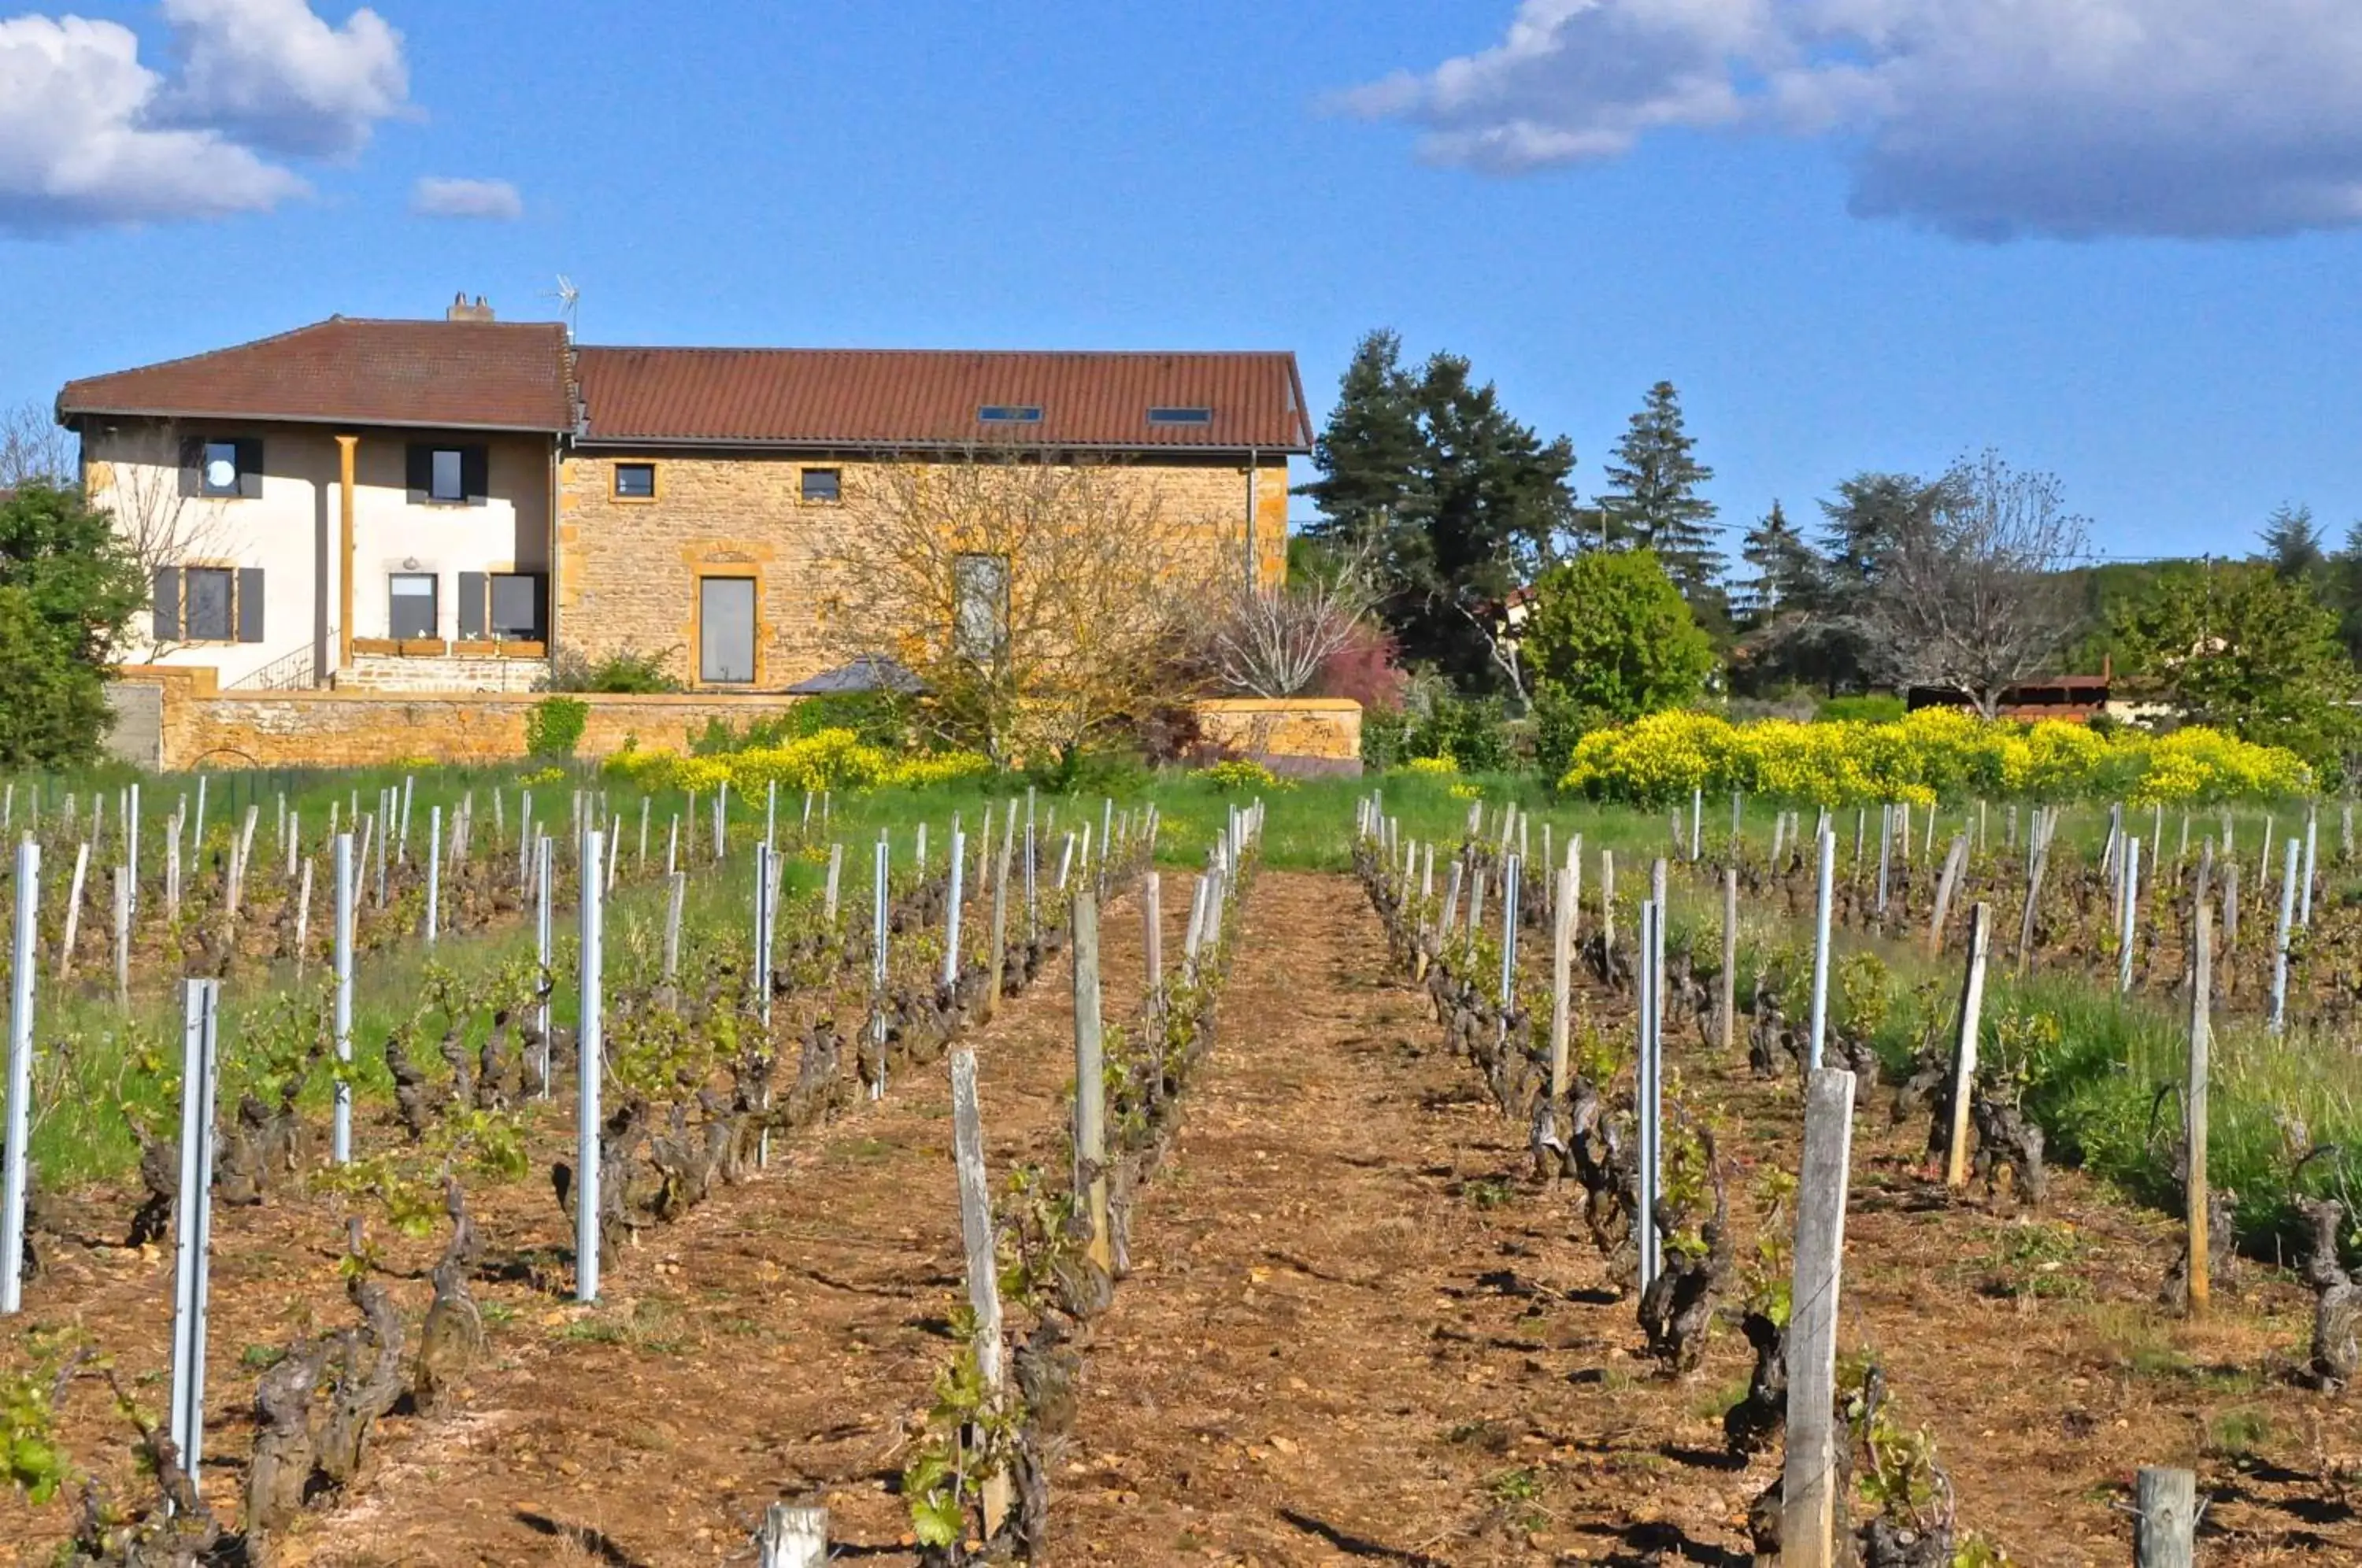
pixel 1727 1004
pixel 2164 1519
pixel 2201 986
pixel 1562 984
pixel 997 958
pixel 1090 1078
pixel 794 1538
pixel 1807 1487
pixel 983 1259
pixel 1151 923
pixel 1955 864
pixel 1964 1048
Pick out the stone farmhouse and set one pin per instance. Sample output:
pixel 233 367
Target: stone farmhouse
pixel 441 506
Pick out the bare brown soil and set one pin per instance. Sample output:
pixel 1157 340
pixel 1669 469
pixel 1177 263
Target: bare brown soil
pixel 1357 1331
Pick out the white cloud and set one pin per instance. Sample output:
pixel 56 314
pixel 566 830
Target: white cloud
pixel 1985 118
pixel 271 73
pixel 494 199
pixel 75 149
pixel 90 135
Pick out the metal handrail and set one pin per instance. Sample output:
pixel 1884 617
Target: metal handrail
pixel 281 674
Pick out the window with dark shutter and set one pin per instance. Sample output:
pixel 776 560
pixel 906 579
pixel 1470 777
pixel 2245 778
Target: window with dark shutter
pixel 168 605
pixel 471 606
pixel 418 472
pixel 249 604
pixel 411 610
pixel 520 600
pixel 475 475
pixel 193 468
pixel 207 594
pixel 250 467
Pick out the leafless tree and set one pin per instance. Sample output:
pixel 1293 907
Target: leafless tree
pixel 35 446
pixel 1272 642
pixel 133 472
pixel 1039 600
pixel 1971 596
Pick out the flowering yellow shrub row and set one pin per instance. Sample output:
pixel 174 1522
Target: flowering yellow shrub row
pixel 1935 753
pixel 827 759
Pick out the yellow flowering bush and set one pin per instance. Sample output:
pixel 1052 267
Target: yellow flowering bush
pixel 1935 753
pixel 826 759
pixel 1433 766
pixel 1241 773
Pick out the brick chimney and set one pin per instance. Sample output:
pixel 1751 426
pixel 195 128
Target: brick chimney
pixel 461 310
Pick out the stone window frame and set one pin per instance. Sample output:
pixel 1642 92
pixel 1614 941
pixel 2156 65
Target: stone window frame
pixel 738 571
pixel 804 469
pixel 615 479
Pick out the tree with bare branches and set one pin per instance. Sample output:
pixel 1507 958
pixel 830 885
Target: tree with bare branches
pixel 133 474
pixel 1971 594
pixel 35 447
pixel 1274 642
pixel 1039 601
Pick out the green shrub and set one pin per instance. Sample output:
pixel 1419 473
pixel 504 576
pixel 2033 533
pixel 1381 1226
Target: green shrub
pixel 1878 708
pixel 627 673
pixel 1471 731
pixel 876 717
pixel 554 726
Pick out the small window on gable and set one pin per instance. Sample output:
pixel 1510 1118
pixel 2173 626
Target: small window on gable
pixel 1009 414
pixel 1180 415
pixel 635 481
pixel 822 485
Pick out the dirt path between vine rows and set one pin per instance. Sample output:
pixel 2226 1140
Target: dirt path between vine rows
pixel 780 1341
pixel 1343 1340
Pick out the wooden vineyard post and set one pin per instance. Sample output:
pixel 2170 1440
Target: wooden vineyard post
pixel 2128 911
pixel 587 1073
pixel 1727 1003
pixel 1955 863
pixel 1607 902
pixel 434 872
pixel 794 1538
pixel 73 911
pixel 341 1134
pixel 2195 1196
pixel 1964 1049
pixel 675 904
pixel 20 1076
pixel 1151 920
pixel 1826 849
pixel 194 1223
pixel 997 958
pixel 1808 1492
pixel 1562 983
pixel 1647 1091
pixel 2281 941
pixel 2037 861
pixel 1090 1078
pixel 2164 1519
pixel 122 940
pixel 983 1261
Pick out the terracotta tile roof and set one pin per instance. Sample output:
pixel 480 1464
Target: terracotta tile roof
pixel 911 398
pixel 447 374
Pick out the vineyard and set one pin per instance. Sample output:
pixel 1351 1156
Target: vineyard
pixel 1218 1171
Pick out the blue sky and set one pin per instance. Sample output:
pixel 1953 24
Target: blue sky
pixel 1589 201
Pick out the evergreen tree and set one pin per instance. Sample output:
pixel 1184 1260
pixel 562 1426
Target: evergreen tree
pixel 1373 453
pixel 1787 571
pixel 1655 502
pixel 2343 586
pixel 1452 502
pixel 2292 542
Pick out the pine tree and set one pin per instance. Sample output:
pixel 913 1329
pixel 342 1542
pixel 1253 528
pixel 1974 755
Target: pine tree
pixel 1786 569
pixel 1373 453
pixel 1452 501
pixel 1655 502
pixel 2292 542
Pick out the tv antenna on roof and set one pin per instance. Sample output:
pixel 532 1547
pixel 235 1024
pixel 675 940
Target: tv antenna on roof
pixel 567 297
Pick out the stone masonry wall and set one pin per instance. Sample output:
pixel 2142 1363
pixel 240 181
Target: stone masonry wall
pixel 628 568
